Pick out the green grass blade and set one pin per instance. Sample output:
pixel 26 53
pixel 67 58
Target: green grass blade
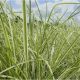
pixel 56 5
pixel 25 36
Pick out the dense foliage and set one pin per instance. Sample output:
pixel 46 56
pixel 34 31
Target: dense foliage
pixel 53 49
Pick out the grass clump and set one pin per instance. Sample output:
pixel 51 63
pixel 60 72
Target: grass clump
pixel 50 50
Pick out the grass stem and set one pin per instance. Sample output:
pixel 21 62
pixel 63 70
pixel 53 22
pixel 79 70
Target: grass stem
pixel 25 36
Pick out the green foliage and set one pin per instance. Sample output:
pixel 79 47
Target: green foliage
pixel 51 51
